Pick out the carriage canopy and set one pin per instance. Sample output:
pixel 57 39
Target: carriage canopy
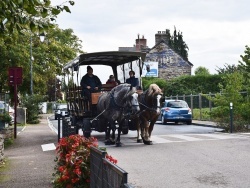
pixel 109 58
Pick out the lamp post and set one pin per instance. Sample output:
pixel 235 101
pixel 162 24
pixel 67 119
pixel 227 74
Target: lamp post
pixel 42 36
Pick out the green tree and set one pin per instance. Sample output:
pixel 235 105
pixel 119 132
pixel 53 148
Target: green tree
pixel 227 69
pixel 193 84
pixel 244 67
pixel 59 47
pixel 230 93
pixel 177 43
pixel 201 71
pixel 33 15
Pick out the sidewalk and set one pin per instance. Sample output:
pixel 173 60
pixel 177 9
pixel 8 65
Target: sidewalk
pixel 31 163
pixel 204 123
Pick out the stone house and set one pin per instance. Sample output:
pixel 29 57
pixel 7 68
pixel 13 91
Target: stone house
pixel 170 63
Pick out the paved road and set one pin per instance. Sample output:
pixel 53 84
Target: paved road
pixel 192 160
pixel 184 156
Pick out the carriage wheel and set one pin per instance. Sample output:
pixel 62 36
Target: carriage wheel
pixel 163 121
pixel 86 128
pixel 125 131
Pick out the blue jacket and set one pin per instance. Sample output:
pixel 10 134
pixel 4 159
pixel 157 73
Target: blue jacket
pixel 133 81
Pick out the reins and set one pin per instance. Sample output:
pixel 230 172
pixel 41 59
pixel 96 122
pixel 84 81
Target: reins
pixel 112 101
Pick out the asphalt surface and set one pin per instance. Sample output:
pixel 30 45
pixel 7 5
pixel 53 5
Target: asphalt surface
pixel 31 157
pixel 29 164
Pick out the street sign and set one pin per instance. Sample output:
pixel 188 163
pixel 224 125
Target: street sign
pixel 15 76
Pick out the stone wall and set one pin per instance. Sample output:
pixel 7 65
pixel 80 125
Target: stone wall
pixel 7 133
pixel 1 148
pixel 171 64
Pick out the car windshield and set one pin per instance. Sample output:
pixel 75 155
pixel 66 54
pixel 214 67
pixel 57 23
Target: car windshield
pixel 177 104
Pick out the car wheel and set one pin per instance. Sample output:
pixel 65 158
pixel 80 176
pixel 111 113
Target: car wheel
pixel 163 120
pixel 55 117
pixel 176 122
pixel 189 122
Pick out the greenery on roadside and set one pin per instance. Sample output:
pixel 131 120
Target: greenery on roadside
pixel 5 117
pixel 203 114
pixel 231 94
pixel 8 142
pixel 4 166
pixel 32 105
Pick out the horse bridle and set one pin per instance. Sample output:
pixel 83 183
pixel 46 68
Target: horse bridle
pixel 127 104
pixel 145 103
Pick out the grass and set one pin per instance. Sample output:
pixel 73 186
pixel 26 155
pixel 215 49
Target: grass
pixel 203 114
pixel 5 166
pixel 8 142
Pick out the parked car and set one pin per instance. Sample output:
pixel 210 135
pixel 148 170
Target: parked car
pixel 176 111
pixel 61 107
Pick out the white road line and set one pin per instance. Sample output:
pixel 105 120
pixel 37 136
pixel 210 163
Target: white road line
pixel 221 136
pixel 21 130
pixel 48 147
pixel 185 137
pixel 51 126
pixel 158 139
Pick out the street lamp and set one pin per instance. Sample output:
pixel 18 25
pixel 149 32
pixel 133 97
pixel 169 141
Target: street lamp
pixel 42 36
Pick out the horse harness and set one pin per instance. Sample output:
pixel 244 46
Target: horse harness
pixel 113 104
pixel 150 109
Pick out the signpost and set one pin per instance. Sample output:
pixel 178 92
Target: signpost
pixel 15 78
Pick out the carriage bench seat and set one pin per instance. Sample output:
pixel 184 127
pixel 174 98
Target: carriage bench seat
pixel 107 87
pixel 94 97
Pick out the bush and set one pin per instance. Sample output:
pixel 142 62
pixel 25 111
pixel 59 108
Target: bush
pixel 205 114
pixel 32 104
pixel 73 161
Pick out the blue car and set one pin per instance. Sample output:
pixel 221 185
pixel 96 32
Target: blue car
pixel 176 111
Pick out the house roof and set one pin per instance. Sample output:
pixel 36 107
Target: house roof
pixel 163 41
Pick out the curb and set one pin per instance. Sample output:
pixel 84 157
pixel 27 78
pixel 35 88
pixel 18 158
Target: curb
pixel 206 125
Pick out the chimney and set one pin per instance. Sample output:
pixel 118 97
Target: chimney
pixel 162 35
pixel 140 43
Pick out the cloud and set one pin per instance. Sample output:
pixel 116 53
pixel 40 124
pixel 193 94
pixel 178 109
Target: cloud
pixel 216 32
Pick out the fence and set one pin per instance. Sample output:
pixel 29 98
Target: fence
pixel 200 101
pixel 103 173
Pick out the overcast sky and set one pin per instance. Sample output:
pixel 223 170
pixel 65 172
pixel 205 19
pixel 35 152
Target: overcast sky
pixel 216 31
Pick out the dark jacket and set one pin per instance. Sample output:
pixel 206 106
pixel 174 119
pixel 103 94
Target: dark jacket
pixel 93 82
pixel 133 81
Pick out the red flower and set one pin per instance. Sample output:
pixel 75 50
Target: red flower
pixel 61 168
pixel 88 180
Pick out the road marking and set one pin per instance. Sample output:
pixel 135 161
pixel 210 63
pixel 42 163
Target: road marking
pixel 51 126
pixel 48 147
pixel 21 130
pixel 185 137
pixel 179 138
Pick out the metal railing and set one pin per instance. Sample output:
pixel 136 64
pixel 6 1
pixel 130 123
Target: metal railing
pixel 200 101
pixel 103 173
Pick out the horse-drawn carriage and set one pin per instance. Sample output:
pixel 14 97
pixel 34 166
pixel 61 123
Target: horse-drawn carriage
pixel 111 106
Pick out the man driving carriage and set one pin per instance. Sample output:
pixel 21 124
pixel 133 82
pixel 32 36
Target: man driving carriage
pixel 90 83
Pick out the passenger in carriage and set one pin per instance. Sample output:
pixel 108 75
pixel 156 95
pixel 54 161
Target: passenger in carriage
pixel 133 80
pixel 90 83
pixel 112 81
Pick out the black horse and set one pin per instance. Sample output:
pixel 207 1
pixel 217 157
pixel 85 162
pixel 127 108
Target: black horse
pixel 113 106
